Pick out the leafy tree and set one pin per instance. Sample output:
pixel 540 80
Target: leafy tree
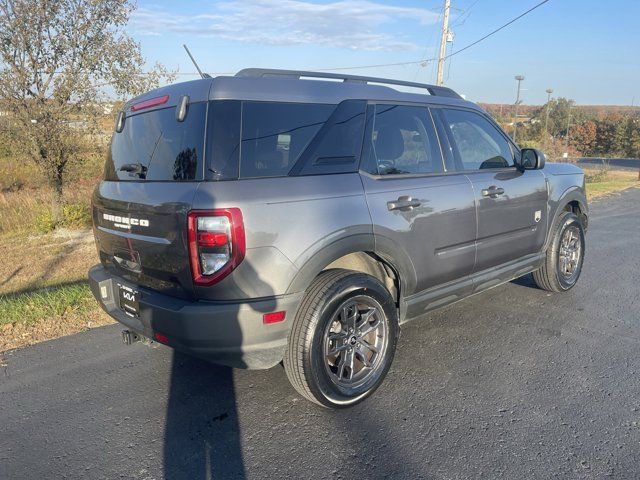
pixel 583 137
pixel 634 140
pixel 56 57
pixel 595 130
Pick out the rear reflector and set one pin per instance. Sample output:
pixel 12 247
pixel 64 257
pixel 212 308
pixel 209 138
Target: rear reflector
pixel 161 337
pixel 273 317
pixel 152 102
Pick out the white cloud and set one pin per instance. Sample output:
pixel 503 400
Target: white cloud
pixel 353 24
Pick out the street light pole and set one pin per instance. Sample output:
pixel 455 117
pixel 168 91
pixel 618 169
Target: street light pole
pixel 546 119
pixel 519 78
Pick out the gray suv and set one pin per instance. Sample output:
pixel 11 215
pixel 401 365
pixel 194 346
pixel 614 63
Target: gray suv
pixel 300 218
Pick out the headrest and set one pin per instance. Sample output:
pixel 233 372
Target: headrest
pixel 389 143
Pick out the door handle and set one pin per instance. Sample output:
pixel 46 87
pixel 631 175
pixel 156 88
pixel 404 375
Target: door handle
pixel 492 191
pixel 403 203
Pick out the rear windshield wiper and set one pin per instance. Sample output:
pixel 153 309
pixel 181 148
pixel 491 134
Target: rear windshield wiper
pixel 134 169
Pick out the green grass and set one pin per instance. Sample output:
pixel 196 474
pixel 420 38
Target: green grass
pixel 597 189
pixel 58 301
pixel 603 182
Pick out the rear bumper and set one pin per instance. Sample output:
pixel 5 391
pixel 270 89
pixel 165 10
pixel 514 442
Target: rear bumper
pixel 228 333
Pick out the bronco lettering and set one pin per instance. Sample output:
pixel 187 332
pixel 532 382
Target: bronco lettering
pixel 124 222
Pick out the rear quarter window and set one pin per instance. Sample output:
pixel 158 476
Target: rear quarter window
pixel 155 146
pixel 248 139
pixel 274 135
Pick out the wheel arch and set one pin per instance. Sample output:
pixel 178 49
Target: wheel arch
pixel 357 253
pixel 572 200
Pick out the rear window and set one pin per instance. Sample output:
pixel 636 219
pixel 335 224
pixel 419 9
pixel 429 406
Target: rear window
pixel 155 146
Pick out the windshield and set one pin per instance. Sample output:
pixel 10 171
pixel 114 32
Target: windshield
pixel 155 146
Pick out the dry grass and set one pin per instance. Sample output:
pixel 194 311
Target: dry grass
pixel 43 277
pixel 34 262
pixel 28 210
pixel 25 199
pixel 604 182
pixel 43 289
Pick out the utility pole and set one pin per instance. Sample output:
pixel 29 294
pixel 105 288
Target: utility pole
pixel 443 42
pixel 519 78
pixel 546 119
pixel 566 138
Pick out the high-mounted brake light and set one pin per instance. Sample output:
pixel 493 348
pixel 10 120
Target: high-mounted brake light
pixel 216 243
pixel 152 102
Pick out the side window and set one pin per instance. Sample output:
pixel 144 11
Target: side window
pixel 404 141
pixel 336 147
pixel 223 139
pixel 275 134
pixel 478 143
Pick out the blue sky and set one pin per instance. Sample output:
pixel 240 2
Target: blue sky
pixel 588 50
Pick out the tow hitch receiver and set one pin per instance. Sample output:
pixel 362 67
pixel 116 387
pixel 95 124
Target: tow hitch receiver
pixel 129 337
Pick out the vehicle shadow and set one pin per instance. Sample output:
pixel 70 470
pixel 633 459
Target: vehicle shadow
pixel 526 281
pixel 202 434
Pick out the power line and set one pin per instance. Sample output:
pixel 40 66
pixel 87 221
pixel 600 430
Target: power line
pixel 451 54
pixel 396 64
pixel 371 66
pixel 429 45
pixel 498 29
pixel 460 19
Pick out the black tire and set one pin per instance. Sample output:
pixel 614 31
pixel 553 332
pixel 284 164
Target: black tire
pixel 306 362
pixel 551 275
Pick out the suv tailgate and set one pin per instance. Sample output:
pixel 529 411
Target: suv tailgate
pixel 142 235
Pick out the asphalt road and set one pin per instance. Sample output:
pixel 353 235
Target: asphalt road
pixel 514 383
pixel 617 163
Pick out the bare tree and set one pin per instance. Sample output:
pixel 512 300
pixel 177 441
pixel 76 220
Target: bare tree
pixel 58 58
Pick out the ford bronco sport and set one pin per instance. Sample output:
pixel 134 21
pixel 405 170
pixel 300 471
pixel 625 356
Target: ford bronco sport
pixel 299 217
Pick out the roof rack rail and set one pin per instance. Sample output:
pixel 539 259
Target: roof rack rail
pixel 267 72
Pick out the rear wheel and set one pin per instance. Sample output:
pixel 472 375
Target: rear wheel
pixel 343 338
pixel 565 255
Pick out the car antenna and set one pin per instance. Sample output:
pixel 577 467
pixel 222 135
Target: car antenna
pixel 203 75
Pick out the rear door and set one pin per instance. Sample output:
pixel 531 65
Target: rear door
pixel 511 204
pixel 422 217
pixel 140 209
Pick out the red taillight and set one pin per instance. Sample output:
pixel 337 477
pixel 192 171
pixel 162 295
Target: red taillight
pixel 212 239
pixel 273 317
pixel 216 243
pixel 152 102
pixel 161 337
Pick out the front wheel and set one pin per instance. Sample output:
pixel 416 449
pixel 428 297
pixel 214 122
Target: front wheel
pixel 343 338
pixel 565 255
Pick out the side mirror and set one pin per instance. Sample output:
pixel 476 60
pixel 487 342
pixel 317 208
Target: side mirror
pixel 531 159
